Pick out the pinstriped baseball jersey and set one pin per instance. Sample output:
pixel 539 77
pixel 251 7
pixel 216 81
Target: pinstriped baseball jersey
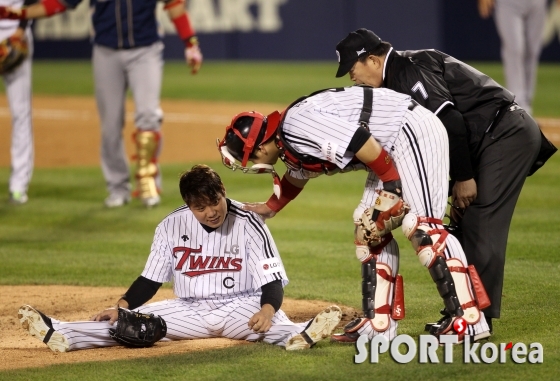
pixel 217 275
pixel 323 125
pixel 233 260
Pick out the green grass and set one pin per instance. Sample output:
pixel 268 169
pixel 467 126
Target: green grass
pixel 65 236
pixel 281 82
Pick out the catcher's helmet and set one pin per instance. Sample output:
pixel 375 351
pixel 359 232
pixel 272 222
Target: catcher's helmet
pixel 246 131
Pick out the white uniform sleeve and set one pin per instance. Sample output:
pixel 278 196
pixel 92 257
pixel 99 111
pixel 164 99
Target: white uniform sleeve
pixel 264 262
pixel 160 262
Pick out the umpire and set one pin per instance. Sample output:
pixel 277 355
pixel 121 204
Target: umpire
pixel 494 143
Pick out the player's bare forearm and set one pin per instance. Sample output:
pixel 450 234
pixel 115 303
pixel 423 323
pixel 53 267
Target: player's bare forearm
pixel 300 183
pixel 110 314
pixel 32 12
pixel 262 320
pixel 485 8
pixel 176 9
pixel 369 151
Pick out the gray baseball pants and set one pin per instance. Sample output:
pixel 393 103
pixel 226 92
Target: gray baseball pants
pixel 115 71
pixel 520 25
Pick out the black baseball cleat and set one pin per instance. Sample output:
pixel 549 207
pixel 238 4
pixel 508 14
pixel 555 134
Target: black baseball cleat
pixel 40 326
pixel 445 316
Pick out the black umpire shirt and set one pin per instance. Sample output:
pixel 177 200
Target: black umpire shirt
pixel 466 100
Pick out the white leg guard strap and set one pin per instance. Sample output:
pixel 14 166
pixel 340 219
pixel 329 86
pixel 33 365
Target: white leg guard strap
pixel 147 149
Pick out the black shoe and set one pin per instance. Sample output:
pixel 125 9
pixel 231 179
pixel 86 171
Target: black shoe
pixel 445 316
pixel 489 321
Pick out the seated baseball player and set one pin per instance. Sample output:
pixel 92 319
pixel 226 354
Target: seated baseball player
pixel 404 147
pixel 227 274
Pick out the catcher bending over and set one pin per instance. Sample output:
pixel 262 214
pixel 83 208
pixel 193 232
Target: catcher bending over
pixel 404 147
pixel 228 277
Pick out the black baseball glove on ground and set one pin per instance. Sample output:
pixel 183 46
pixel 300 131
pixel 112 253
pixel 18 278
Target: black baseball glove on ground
pixel 138 330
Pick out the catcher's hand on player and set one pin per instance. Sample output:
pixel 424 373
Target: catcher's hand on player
pixel 262 320
pixel 385 215
pixel 260 208
pixel 193 55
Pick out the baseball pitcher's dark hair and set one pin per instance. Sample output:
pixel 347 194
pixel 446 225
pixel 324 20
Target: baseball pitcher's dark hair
pixel 381 50
pixel 201 186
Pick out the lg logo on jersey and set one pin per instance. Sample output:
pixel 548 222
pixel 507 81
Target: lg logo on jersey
pixel 271 266
pixel 196 265
pixel 234 249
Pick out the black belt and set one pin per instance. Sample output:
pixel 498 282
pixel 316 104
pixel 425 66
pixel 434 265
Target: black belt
pixel 500 114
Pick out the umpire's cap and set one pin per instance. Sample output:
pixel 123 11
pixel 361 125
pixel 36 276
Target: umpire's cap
pixel 246 131
pixel 358 43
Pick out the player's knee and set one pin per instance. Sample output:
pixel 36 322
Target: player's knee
pixel 425 240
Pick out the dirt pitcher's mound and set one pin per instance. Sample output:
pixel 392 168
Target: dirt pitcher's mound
pixel 68 303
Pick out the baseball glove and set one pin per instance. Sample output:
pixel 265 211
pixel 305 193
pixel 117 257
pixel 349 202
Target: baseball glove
pixel 385 215
pixel 13 50
pixel 138 330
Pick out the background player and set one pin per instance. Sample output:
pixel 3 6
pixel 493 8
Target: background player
pixel 347 128
pixel 127 53
pixel 227 274
pixel 520 24
pixel 493 142
pixel 18 91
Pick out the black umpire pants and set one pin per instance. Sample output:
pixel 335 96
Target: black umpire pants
pixel 505 157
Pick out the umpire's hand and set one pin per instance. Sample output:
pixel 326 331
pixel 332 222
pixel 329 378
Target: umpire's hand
pixel 464 193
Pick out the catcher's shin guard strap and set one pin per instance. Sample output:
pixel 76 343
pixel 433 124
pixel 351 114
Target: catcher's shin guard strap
pixel 446 286
pixel 461 277
pixel 147 149
pixel 369 283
